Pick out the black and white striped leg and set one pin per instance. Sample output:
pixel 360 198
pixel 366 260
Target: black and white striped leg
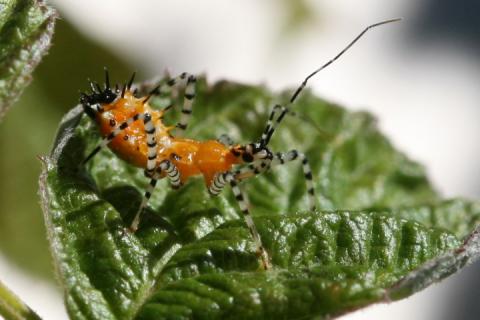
pixel 173 175
pixel 281 158
pixel 253 169
pixel 189 81
pixel 217 185
pixel 243 204
pixel 167 87
pixel 146 197
pixel 151 145
pixel 118 129
pixel 272 123
pixel 187 105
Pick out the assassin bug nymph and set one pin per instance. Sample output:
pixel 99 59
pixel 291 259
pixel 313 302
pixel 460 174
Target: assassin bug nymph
pixel 135 131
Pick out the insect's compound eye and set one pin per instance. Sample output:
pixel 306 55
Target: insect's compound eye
pixel 247 157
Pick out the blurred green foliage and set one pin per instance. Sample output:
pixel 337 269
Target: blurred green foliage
pixel 27 131
pixel 298 14
pixel 26 28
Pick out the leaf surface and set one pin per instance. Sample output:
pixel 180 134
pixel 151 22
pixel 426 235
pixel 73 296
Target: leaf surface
pixel 381 231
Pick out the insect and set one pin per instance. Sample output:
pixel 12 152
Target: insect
pixel 135 131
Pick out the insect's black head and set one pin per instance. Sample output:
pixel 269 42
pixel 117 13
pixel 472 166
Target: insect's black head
pixel 103 97
pixel 98 95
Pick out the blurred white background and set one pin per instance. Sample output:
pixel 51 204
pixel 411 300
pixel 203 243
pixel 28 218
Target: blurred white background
pixel 419 77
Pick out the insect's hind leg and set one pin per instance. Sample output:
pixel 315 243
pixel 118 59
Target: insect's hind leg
pixel 253 169
pixel 217 186
pixel 280 158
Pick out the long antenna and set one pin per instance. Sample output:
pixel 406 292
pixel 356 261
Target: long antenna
pixel 272 125
pixel 304 83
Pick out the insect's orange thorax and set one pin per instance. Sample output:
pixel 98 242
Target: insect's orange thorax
pixel 192 157
pixel 130 144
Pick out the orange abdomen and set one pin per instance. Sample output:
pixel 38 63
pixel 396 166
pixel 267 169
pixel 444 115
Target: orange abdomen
pixel 200 157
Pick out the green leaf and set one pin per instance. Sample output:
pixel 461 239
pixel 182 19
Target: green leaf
pixel 382 232
pixel 12 308
pixel 26 29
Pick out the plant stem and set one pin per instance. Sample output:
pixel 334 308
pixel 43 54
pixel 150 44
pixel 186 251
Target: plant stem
pixel 12 308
